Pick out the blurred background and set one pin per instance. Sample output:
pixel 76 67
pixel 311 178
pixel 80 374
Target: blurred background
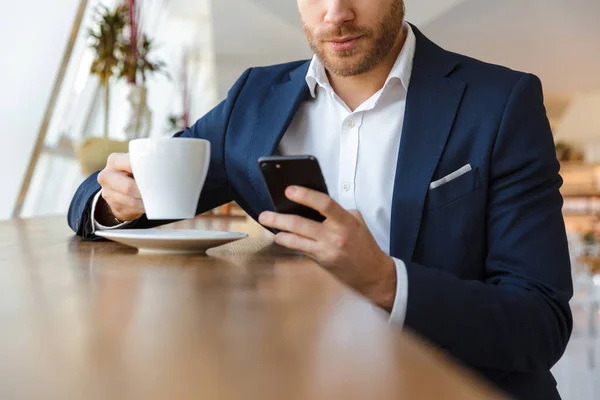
pixel 80 78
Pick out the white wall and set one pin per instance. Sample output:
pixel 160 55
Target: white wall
pixel 34 38
pixel 558 40
pixel 249 33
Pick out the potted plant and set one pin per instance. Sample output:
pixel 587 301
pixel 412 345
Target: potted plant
pixel 118 52
pixel 106 37
pixel 135 68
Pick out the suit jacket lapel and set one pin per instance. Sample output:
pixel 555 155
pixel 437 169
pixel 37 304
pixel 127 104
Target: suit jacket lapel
pixel 277 112
pixel 431 107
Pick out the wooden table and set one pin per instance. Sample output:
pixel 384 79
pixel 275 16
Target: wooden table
pixel 82 320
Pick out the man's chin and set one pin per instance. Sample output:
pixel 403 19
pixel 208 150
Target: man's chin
pixel 345 68
pixel 342 65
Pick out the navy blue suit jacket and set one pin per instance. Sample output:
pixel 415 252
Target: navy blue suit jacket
pixel 486 254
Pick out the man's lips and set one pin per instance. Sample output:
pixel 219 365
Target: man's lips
pixel 344 44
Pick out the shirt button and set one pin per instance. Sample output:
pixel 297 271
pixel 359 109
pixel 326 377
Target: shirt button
pixel 346 187
pixel 350 124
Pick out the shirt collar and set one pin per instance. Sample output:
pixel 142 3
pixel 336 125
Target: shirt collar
pixel 402 69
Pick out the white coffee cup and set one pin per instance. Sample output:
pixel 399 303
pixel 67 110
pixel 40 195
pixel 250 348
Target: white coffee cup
pixel 170 174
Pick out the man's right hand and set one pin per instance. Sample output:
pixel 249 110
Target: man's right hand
pixel 119 189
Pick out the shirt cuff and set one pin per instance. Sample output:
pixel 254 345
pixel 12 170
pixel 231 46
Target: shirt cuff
pixel 399 310
pixel 97 226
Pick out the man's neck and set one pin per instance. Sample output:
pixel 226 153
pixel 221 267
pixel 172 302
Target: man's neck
pixel 355 90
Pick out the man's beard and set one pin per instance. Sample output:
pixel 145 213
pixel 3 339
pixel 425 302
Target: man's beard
pixel 380 43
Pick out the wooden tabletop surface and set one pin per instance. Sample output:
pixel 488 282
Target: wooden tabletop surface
pixel 83 320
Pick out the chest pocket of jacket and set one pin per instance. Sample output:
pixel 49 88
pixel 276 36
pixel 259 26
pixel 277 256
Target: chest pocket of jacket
pixel 454 190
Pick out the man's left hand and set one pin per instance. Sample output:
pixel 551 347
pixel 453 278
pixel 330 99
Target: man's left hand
pixel 342 244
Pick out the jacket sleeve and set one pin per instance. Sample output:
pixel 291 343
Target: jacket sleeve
pixel 518 318
pixel 216 191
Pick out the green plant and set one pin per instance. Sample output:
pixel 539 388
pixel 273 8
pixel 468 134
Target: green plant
pixel 135 54
pixel 105 40
pixel 175 123
pixel 118 51
pixel 145 64
pixel 138 64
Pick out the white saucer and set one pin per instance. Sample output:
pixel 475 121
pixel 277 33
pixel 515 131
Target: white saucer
pixel 171 241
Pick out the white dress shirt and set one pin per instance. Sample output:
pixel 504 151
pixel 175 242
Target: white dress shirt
pixel 357 150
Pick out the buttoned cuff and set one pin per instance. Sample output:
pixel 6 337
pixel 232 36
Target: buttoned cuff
pixel 399 310
pixel 97 226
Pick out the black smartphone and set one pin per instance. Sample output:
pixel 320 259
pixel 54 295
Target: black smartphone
pixel 281 172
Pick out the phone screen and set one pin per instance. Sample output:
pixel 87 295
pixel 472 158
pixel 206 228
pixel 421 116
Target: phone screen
pixel 281 172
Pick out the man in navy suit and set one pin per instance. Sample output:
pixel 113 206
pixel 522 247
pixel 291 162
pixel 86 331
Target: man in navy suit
pixel 444 205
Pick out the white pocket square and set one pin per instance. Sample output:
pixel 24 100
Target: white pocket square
pixel 451 177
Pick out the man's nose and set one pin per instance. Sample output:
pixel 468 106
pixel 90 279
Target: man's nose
pixel 339 12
